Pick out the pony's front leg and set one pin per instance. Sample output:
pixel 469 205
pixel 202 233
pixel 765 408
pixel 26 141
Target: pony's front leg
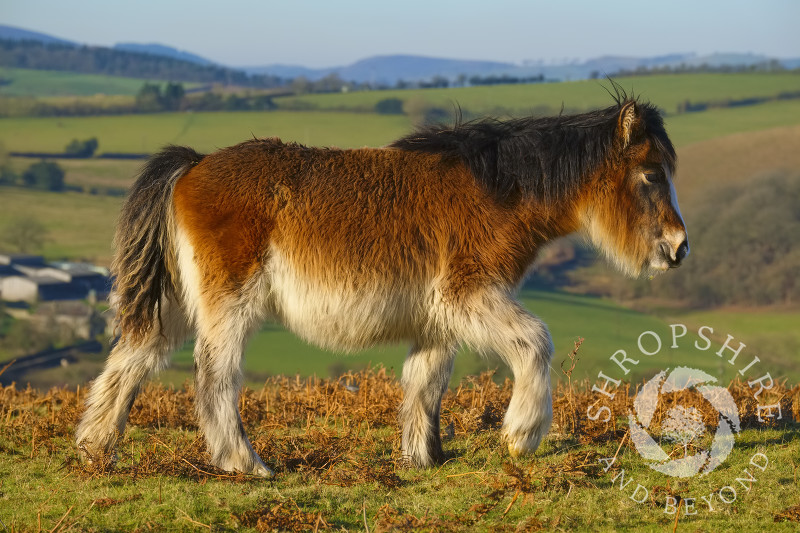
pixel 426 374
pixel 501 325
pixel 218 383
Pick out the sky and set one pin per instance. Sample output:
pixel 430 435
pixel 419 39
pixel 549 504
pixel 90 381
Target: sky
pixel 328 33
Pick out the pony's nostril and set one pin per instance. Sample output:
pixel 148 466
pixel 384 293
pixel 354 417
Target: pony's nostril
pixel 682 251
pixel 666 252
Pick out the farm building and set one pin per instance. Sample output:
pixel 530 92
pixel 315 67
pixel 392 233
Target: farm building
pixel 30 279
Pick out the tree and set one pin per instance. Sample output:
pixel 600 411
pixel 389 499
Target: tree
pixel 24 235
pixel 389 106
pixel 44 175
pixel 148 99
pixel 234 102
pixel 85 148
pixel 300 85
pixel 8 176
pixel 329 84
pixel 173 96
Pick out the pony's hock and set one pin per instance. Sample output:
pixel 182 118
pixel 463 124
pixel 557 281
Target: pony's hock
pixel 424 241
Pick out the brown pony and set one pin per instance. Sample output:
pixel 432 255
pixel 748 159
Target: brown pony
pixel 425 241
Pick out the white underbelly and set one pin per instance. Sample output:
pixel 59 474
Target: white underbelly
pixel 342 315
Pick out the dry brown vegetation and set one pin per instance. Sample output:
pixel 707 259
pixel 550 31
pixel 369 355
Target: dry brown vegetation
pixel 343 432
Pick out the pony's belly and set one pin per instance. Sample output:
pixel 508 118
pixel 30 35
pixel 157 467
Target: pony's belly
pixel 344 315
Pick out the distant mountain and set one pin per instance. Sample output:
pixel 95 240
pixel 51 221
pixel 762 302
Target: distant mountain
pixel 163 51
pixel 609 64
pixel 11 33
pixel 291 71
pixel 791 63
pixel 390 69
pixel 406 67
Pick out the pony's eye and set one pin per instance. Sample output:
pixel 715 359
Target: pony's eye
pixel 653 176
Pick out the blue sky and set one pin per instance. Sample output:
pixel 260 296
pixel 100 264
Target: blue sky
pixel 338 32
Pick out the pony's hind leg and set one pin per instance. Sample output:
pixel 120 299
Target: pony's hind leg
pixel 128 365
pixel 426 374
pixel 221 338
pixel 501 325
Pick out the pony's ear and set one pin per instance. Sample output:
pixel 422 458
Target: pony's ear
pixel 627 117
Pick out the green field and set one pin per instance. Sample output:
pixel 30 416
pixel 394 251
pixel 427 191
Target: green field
pixel 665 91
pixel 772 335
pixel 80 226
pixel 39 83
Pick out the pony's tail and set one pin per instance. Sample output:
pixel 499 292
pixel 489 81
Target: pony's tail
pixel 143 260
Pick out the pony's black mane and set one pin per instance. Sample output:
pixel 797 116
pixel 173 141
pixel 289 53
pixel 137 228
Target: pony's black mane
pixel 546 157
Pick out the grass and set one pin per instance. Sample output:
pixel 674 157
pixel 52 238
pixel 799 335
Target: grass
pixel 665 91
pixel 770 334
pixel 692 128
pixel 338 465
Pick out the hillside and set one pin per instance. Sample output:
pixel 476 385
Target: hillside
pixel 12 33
pixel 709 165
pixel 164 51
pixel 30 84
pixel 114 62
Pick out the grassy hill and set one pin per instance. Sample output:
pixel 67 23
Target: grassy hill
pixel 732 159
pixel 39 83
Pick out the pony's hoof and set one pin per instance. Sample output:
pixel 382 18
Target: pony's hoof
pixel 519 445
pixel 263 471
pixel 514 451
